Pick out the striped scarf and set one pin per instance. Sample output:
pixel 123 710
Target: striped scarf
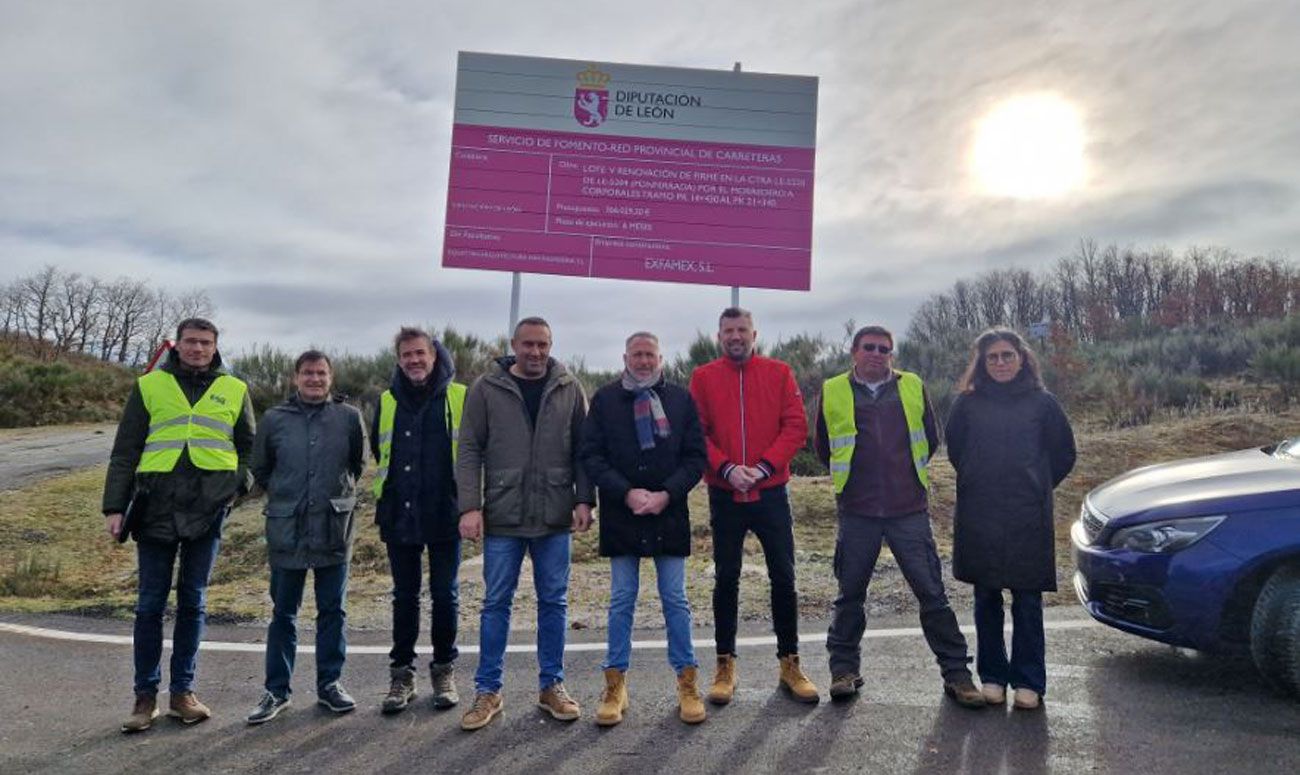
pixel 647 410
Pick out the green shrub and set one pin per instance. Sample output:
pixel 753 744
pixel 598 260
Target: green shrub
pixel 30 577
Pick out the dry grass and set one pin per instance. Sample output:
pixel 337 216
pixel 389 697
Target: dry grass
pixel 55 556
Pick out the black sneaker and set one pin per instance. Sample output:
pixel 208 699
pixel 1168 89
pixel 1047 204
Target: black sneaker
pixel 333 697
pixel 267 708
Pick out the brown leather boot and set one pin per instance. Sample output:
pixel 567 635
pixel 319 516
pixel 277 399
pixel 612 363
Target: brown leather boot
pixel 795 682
pixel 691 709
pixel 143 713
pixel 724 680
pixel 186 707
pixel 614 699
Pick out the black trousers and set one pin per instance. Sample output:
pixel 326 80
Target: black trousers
pixel 857 547
pixel 770 521
pixel 405 561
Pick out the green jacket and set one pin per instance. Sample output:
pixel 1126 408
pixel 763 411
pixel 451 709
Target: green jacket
pixel 185 502
pixel 525 480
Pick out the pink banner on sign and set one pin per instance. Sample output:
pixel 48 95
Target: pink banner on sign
pixel 629 208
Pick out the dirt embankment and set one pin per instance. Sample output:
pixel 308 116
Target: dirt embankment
pixel 54 555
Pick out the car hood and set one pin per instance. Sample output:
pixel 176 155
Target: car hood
pixel 1235 481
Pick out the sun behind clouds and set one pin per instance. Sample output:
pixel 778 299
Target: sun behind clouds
pixel 1029 147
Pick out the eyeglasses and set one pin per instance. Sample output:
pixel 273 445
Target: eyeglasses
pixel 1004 356
pixel 872 347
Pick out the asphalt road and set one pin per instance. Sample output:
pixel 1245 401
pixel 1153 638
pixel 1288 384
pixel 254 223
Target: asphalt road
pixel 1116 704
pixel 28 455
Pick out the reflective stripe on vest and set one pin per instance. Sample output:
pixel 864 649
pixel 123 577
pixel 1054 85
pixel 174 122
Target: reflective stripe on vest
pixel 842 429
pixel 207 428
pixel 388 416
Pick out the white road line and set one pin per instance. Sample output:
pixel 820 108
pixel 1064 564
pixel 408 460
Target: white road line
pixel 522 648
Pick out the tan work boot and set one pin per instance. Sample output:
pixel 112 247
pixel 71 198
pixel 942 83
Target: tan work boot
pixel 557 702
pixel 613 701
pixel 142 714
pixel 724 680
pixel 691 709
pixel 186 707
pixel 795 682
pixel 485 708
pixel 1027 699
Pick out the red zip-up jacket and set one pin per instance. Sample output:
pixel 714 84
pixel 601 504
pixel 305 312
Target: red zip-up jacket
pixel 752 415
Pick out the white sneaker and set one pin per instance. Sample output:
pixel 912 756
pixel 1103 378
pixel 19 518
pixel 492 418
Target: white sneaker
pixel 994 694
pixel 1027 699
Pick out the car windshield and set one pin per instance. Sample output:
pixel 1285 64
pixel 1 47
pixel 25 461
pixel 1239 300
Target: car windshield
pixel 1288 449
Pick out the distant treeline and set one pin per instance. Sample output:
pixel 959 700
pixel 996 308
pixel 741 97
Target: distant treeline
pixel 117 321
pixel 1098 294
pixel 1131 333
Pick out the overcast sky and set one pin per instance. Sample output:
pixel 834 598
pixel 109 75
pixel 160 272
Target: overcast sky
pixel 291 158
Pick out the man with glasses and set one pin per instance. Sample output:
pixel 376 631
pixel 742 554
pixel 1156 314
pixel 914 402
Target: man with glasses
pixel 876 430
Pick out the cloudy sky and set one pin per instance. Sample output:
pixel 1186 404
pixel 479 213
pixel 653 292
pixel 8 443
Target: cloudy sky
pixel 291 157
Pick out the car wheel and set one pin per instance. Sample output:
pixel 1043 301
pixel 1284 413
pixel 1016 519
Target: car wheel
pixel 1275 631
pixel 1289 644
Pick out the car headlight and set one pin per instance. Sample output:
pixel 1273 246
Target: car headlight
pixel 1165 537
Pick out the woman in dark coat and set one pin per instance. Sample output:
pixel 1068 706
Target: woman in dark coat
pixel 1011 445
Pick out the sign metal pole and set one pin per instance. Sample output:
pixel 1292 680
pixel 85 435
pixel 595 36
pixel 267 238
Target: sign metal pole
pixel 735 289
pixel 514 304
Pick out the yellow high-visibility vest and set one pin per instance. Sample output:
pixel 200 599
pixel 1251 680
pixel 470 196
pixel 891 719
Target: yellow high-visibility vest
pixel 206 429
pixel 388 415
pixel 842 431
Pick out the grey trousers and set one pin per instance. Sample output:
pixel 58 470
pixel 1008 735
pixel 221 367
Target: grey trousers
pixel 857 547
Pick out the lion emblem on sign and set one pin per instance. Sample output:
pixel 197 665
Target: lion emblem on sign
pixel 591 98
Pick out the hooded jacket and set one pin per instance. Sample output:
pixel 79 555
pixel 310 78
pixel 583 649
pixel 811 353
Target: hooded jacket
pixel 308 458
pixel 418 506
pixel 186 502
pixel 525 479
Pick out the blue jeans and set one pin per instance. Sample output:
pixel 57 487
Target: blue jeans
pixel 404 562
pixel 502 559
pixel 331 585
pixel 625 575
pixel 1028 666
pixel 157 562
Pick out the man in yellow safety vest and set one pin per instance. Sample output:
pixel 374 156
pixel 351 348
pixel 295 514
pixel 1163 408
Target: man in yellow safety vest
pixel 877 431
pixel 414 441
pixel 179 460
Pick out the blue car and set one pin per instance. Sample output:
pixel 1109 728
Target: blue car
pixel 1201 553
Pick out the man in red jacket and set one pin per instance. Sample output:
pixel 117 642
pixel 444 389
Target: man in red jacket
pixel 754 423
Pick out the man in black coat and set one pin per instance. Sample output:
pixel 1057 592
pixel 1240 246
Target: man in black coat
pixel 643 447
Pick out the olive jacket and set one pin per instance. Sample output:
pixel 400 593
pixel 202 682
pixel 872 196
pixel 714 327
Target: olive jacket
pixel 526 480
